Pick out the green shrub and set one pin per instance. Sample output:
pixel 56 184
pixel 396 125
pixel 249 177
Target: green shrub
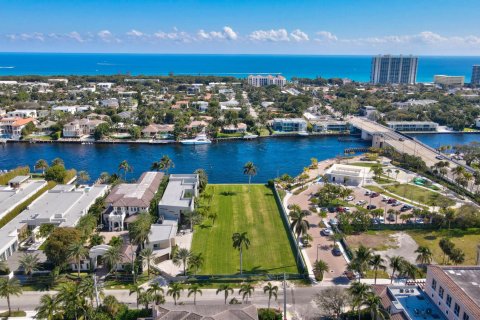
pixel 20 171
pixel 269 314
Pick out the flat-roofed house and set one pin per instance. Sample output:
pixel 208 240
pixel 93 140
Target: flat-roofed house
pixel 348 175
pixel 22 114
pixel 129 199
pixel 162 239
pixel 179 196
pixel 289 125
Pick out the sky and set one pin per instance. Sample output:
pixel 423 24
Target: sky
pixel 321 27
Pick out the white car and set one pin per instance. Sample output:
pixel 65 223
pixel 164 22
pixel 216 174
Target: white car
pixel 326 232
pixel 350 198
pixel 360 203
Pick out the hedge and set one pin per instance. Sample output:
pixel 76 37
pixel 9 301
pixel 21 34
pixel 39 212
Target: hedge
pixel 20 171
pixel 16 211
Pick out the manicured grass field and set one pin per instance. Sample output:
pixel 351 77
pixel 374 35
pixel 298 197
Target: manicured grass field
pixel 243 208
pixel 418 194
pixel 466 240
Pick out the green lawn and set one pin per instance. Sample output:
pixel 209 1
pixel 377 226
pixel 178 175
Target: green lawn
pixel 365 164
pixel 466 240
pixel 243 208
pixel 419 194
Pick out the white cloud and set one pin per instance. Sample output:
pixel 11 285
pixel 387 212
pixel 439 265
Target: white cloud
pixel 175 35
pixel 298 35
pixel 107 36
pixel 135 33
pixel 76 36
pixel 269 35
pixel 325 36
pixel 227 33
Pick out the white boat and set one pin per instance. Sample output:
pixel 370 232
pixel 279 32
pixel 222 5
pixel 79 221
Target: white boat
pixel 250 136
pixel 303 133
pixel 201 138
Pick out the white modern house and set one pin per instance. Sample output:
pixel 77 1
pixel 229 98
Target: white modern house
pixel 289 125
pixel 413 126
pixel 129 199
pixel 179 196
pixel 22 114
pixel 348 175
pixel 162 239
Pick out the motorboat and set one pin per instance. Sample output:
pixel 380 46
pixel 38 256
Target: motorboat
pixel 249 136
pixel 303 133
pixel 201 138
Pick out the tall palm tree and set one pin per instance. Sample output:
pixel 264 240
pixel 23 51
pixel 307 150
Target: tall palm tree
pixel 424 256
pixel 181 257
pixel 272 291
pixel 448 216
pixel 9 287
pixel 125 167
pixel 299 223
pixel 240 241
pixel 377 263
pixel 174 290
pixel 358 291
pixel 165 163
pixel 41 164
pixel 139 230
pixel 87 289
pixel 409 270
pixel 373 304
pixel 29 263
pixel 112 306
pixel 195 262
pixel 396 263
pixel 194 289
pixel 319 268
pixel 83 176
pixel 246 291
pixel 112 257
pixel 227 290
pixel 250 170
pixel 138 290
pixel 147 255
pixel 49 308
pixel 360 260
pixel 78 252
pixel 58 162
pixel 157 293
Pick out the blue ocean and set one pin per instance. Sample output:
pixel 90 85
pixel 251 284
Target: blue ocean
pixel 308 66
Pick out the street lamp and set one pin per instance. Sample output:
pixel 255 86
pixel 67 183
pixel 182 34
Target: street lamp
pixel 318 246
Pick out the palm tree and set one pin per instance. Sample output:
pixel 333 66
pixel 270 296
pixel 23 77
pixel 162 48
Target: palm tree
pixel 125 167
pixel 180 258
pixel 425 255
pixel 299 223
pixel 319 268
pixel 272 291
pixel 359 292
pixel 78 252
pixel 213 216
pixel 240 240
pixel 3 266
pixel 49 308
pixel 157 292
pixel 195 262
pixel 87 289
pixel 147 255
pixel 250 170
pixel 373 305
pixel 112 257
pixel 138 290
pixel 457 256
pixel 139 230
pixel 174 290
pixel 396 263
pixel 409 270
pixel 360 260
pixel 226 289
pixel 446 245
pixel 96 239
pixel 9 287
pixel 83 176
pixel 448 216
pixel 377 263
pixel 246 291
pixel 194 289
pixel 111 305
pixel 58 162
pixel 41 165
pixel 29 262
pixel 165 163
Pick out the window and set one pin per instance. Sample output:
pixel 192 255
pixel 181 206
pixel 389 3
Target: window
pixel 449 300
pixel 456 310
pixel 434 284
pixel 466 316
pixel 440 292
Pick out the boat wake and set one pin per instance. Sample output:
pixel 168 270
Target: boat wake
pixel 8 67
pixel 105 64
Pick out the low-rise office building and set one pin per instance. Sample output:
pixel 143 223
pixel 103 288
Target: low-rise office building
pixel 129 199
pixel 289 125
pixel 449 81
pixel 348 175
pixel 329 125
pixel 262 81
pixel 179 196
pixel 413 126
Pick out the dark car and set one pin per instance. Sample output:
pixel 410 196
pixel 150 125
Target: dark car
pixel 371 207
pixel 336 251
pixel 405 208
pixel 375 194
pixel 391 200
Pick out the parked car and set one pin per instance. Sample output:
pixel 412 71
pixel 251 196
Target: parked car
pixel 391 217
pixel 371 207
pixel 336 251
pixel 347 209
pixel 333 222
pixel 368 192
pixel 385 198
pixel 396 203
pixel 326 232
pixel 350 198
pixel 340 209
pixel 391 200
pixel 374 195
pixel 360 203
pixel 405 208
pixel 439 157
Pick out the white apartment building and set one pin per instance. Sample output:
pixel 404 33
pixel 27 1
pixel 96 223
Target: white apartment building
pixel 22 114
pixel 262 81
pixel 289 125
pixel 449 81
pixel 106 86
pixel 413 126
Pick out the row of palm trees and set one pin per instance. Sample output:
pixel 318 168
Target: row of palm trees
pixel 363 297
pixel 364 260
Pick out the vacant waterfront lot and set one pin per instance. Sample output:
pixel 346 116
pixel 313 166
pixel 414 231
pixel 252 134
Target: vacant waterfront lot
pixel 419 194
pixel 241 208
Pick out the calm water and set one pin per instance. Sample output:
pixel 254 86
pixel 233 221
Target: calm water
pixel 223 161
pixel 353 67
